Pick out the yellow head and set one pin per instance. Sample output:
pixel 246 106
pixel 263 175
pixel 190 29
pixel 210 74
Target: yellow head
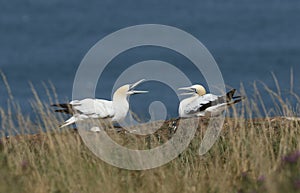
pixel 127 90
pixel 194 90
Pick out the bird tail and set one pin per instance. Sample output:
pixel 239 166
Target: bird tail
pixel 65 108
pixel 230 94
pixel 62 105
pixel 236 101
pixel 233 99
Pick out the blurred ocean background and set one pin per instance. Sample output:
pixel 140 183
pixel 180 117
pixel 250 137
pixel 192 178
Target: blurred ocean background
pixel 45 41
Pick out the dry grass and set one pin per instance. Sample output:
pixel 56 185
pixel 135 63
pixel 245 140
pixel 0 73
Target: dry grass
pixel 251 155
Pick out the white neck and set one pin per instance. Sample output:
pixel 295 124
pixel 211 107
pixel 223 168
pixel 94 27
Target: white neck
pixel 121 106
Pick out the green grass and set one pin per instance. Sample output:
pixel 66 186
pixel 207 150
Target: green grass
pixel 251 155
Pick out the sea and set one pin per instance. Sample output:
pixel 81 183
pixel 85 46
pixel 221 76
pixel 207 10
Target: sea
pixel 42 44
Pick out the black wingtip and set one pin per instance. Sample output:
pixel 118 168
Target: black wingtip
pixel 237 99
pixel 65 108
pixel 63 111
pixel 230 94
pixel 64 105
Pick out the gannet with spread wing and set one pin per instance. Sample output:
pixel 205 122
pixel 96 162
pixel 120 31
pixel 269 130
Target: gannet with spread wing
pixel 200 103
pixel 116 109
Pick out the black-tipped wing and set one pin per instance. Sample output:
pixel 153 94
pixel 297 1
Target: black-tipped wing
pixel 209 100
pixel 95 108
pixel 229 95
pixel 202 102
pixel 64 108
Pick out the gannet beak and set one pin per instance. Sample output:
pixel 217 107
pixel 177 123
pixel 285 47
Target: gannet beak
pixel 189 90
pixel 132 86
pixel 139 91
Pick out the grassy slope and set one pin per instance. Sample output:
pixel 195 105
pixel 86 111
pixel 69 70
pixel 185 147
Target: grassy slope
pixel 250 156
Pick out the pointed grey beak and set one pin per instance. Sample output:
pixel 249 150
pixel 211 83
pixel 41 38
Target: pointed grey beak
pixel 139 91
pixel 188 90
pixel 132 86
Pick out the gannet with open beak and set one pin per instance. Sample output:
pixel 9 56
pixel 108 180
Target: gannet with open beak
pixel 116 109
pixel 202 104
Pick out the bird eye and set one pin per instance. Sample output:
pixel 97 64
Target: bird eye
pixel 195 90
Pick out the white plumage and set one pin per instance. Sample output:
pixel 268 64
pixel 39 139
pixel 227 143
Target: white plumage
pixel 115 110
pixel 200 103
pixel 93 107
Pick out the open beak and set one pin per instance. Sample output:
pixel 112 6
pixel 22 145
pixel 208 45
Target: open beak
pixel 132 86
pixel 189 91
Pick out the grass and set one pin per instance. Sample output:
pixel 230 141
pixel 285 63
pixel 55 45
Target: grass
pixel 251 155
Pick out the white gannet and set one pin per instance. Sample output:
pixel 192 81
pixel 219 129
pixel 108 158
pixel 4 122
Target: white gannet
pixel 200 103
pixel 116 109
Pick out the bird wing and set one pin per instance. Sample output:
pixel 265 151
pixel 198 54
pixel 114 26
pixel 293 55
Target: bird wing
pixel 96 108
pixel 201 103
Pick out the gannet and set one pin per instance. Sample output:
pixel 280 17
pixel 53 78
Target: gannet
pixel 115 110
pixel 202 104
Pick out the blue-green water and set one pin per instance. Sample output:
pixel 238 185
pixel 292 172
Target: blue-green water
pixel 43 41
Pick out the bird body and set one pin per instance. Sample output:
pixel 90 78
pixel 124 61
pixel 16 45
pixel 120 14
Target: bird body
pixel 115 110
pixel 201 104
pixel 85 109
pixel 93 107
pixel 196 105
